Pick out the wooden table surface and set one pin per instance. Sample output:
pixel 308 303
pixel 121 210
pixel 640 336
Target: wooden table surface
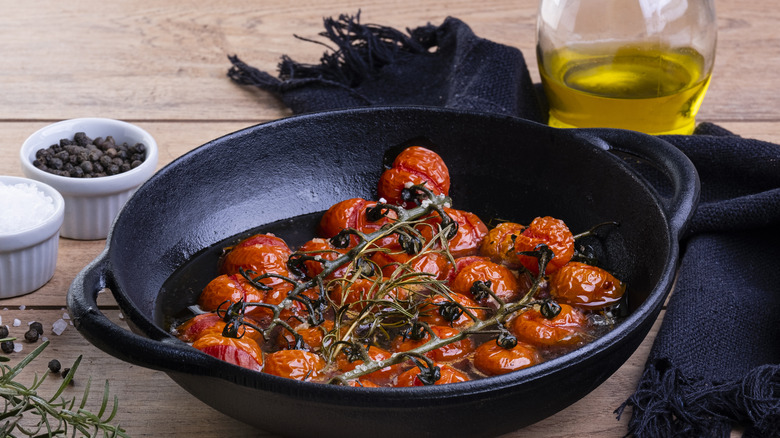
pixel 162 66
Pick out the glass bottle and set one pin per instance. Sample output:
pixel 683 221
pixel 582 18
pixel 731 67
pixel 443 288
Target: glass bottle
pixel 643 65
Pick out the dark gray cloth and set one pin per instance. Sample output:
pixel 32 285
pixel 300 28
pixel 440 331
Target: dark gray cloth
pixel 715 363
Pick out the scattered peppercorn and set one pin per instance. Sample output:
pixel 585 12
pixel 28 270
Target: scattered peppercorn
pixel 54 366
pixel 31 336
pixel 65 372
pixel 84 157
pixel 7 346
pixel 37 326
pixel 3 331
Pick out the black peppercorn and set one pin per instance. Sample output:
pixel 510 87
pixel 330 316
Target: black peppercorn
pixel 37 326
pixel 31 336
pixel 83 157
pixel 7 346
pixel 3 331
pixel 65 372
pixel 54 366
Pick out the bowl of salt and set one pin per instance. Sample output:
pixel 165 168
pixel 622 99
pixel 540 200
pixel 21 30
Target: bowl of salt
pixel 30 222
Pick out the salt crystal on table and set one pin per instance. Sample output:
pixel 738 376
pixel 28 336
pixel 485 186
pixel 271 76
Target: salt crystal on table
pixel 65 316
pixel 17 322
pixel 22 307
pixel 59 326
pixel 24 207
pixel 18 347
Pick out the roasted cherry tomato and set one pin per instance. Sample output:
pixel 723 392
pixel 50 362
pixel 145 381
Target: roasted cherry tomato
pixel 211 323
pixel 470 234
pixel 294 364
pixel 414 165
pixel 447 373
pixel 438 310
pixel 493 359
pixel 275 296
pixel 585 286
pixel 448 353
pixel 395 263
pixel 499 242
pixel 232 288
pixel 360 293
pixel 324 249
pixel 362 383
pixel 243 352
pixel 549 231
pixel 486 274
pixel 312 336
pixel 353 213
pixel 347 361
pixel 567 328
pixel 261 253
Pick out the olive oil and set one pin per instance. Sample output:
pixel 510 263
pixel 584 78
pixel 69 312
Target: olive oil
pixel 643 88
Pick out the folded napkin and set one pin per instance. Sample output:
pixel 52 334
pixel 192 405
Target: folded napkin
pixel 715 363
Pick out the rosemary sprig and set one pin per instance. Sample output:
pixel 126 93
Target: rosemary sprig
pixel 27 413
pixel 380 309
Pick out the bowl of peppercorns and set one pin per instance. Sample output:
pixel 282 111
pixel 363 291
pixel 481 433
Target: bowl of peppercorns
pixel 95 164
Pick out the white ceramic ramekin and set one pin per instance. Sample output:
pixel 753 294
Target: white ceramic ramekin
pixel 91 204
pixel 28 257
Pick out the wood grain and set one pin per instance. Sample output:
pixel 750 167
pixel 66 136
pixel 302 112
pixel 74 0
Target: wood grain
pixel 163 66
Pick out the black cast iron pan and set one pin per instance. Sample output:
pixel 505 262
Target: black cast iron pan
pixel 284 172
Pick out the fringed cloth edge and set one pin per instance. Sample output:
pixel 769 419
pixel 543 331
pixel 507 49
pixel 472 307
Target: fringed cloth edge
pixel 360 52
pixel 668 404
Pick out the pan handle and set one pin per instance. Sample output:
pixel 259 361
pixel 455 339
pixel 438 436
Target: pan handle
pixel 165 354
pixel 675 166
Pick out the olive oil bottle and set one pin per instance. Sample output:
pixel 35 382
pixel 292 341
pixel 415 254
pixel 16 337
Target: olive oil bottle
pixel 645 88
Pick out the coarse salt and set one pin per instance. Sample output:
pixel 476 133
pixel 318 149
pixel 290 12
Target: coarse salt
pixel 24 207
pixel 59 326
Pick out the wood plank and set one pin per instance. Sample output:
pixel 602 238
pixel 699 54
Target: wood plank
pixel 167 60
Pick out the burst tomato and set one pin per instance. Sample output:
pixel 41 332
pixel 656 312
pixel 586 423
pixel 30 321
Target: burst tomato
pixel 548 231
pixel 294 364
pixel 414 165
pixel 499 242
